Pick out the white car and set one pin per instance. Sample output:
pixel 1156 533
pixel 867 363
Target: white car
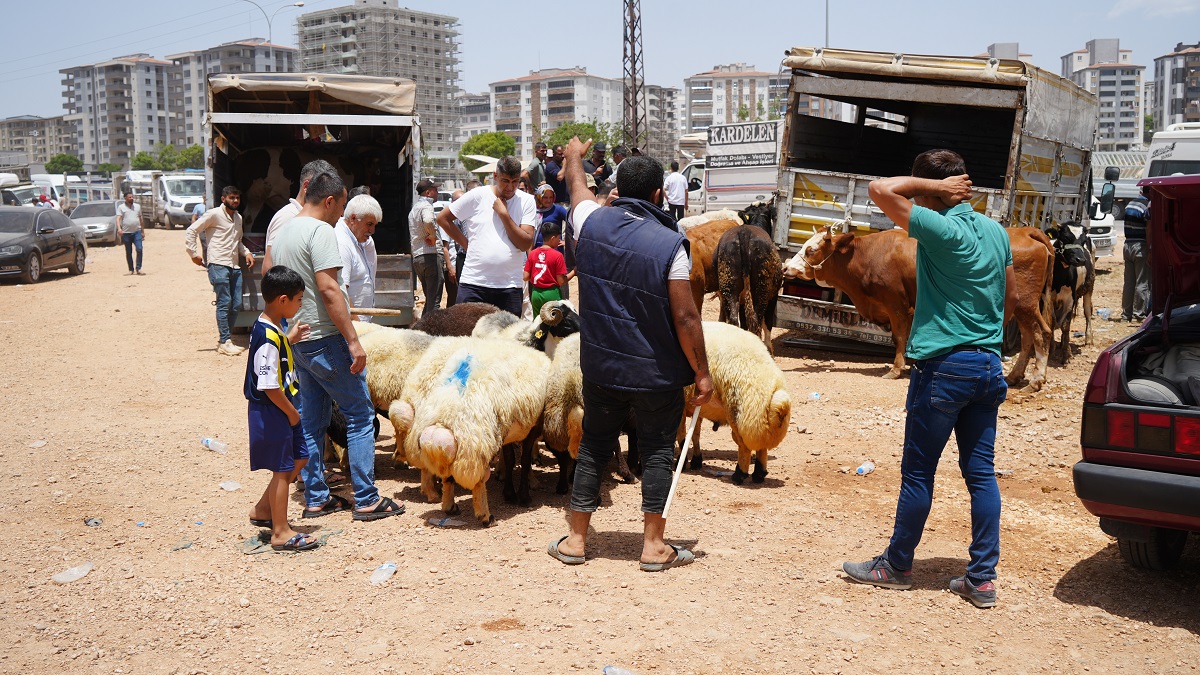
pixel 1100 230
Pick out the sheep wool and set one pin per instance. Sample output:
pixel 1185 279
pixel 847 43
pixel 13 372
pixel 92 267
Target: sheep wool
pixel 468 400
pixel 562 425
pixel 392 353
pixel 748 395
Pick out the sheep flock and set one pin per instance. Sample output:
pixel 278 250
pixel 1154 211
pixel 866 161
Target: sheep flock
pixel 482 389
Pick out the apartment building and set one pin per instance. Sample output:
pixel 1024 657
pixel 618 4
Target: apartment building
pixel 474 115
pixel 1108 71
pixel 737 92
pixel 662 117
pixel 187 80
pixel 378 37
pixel 39 138
pixel 117 108
pixel 533 105
pixel 1175 96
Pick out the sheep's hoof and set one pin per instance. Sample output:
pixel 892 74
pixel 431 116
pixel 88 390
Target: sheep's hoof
pixel 627 477
pixel 738 476
pixel 697 462
pixel 489 521
pixel 453 511
pixel 760 473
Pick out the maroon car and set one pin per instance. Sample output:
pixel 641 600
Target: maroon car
pixel 1141 413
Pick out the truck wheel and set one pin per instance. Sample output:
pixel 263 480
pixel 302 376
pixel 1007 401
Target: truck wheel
pixel 1162 552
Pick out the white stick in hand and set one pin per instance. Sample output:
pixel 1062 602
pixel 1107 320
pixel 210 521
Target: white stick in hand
pixel 682 458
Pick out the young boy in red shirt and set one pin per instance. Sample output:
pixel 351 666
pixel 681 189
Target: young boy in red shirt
pixel 546 268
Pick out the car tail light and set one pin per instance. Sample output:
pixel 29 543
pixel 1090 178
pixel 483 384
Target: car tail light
pixel 1099 380
pixel 1187 435
pixel 1121 428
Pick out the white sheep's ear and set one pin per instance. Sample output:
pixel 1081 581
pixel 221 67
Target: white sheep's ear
pixel 551 314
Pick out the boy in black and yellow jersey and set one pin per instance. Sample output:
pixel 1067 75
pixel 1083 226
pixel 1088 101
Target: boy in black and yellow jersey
pixel 276 439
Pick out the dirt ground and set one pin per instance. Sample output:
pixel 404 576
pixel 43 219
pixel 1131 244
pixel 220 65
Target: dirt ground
pixel 111 381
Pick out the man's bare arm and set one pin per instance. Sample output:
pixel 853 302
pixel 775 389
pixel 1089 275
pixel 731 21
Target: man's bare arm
pixel 445 220
pixel 894 195
pixel 576 179
pixel 691 335
pixel 1010 293
pixel 521 235
pixel 339 313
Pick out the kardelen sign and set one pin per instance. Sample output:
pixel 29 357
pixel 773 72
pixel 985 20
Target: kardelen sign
pixel 743 145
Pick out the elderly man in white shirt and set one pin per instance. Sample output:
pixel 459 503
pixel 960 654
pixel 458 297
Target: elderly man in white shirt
pixel 354 230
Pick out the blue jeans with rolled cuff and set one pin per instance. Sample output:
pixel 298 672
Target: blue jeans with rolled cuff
pixel 960 392
pixel 605 411
pixel 132 241
pixel 227 284
pixel 324 368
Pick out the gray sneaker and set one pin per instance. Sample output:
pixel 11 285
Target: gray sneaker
pixel 982 596
pixel 878 572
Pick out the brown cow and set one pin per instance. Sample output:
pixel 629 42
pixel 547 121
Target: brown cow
pixel 879 273
pixel 704 238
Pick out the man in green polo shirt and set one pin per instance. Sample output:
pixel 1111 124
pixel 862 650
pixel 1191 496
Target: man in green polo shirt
pixel 964 267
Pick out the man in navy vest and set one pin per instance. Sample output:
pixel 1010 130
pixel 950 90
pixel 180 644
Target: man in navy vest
pixel 640 344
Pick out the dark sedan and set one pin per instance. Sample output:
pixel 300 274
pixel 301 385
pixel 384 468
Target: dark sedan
pixel 33 240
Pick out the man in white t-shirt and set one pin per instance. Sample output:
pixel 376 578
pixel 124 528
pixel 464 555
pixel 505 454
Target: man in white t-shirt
pixel 497 231
pixel 359 263
pixel 423 235
pixel 677 192
pixel 292 208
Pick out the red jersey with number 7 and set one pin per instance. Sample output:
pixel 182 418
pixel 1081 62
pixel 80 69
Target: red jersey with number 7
pixel 544 266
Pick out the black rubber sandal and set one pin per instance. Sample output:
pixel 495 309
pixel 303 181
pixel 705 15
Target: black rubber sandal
pixel 383 509
pixel 261 522
pixel 334 505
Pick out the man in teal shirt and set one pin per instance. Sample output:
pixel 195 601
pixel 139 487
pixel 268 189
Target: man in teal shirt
pixel 964 269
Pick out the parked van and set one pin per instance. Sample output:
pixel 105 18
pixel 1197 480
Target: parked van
pixel 1174 150
pixel 740 167
pixel 176 194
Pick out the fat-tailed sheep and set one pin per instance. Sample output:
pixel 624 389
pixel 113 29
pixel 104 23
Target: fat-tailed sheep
pixel 556 321
pixel 454 320
pixel 748 395
pixel 465 406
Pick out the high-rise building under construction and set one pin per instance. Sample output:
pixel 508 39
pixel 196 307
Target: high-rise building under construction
pixel 378 37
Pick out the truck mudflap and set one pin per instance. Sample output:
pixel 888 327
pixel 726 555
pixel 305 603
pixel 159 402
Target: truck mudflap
pixel 829 319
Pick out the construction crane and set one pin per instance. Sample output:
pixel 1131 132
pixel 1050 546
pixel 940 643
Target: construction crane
pixel 635 122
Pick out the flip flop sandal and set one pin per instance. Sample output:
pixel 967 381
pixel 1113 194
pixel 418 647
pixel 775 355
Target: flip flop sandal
pixel 385 508
pixel 682 557
pixel 261 522
pixel 334 505
pixel 296 543
pixel 552 549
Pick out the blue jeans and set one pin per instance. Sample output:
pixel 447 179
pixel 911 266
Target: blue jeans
pixel 131 242
pixel 325 376
pixel 605 411
pixel 227 283
pixel 958 392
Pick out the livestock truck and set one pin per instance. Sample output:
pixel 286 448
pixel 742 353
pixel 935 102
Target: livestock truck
pixel 1026 136
pixel 264 127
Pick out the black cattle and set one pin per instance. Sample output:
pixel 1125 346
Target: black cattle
pixel 749 273
pixel 1073 280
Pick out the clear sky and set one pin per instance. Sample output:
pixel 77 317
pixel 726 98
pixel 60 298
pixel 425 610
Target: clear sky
pixel 681 37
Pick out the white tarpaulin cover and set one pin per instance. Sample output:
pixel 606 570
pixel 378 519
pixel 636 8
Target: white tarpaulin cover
pixel 394 95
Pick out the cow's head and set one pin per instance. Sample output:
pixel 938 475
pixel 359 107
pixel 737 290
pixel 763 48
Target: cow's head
pixel 815 252
pixel 759 214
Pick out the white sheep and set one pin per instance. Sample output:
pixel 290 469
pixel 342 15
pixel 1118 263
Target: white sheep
pixel 557 320
pixel 485 394
pixel 748 395
pixel 688 223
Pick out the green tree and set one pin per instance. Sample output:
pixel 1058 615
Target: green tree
pixel 743 113
pixel 108 167
pixel 609 134
pixel 167 157
pixel 63 163
pixel 143 161
pixel 1148 128
pixel 191 158
pixel 493 144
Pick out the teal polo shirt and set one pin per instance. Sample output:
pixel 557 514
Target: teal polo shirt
pixel 961 260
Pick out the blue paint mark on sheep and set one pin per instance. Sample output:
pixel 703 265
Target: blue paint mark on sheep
pixel 461 374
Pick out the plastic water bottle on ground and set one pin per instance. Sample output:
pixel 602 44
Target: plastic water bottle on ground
pixel 613 670
pixel 383 572
pixel 865 468
pixel 214 445
pixel 445 522
pixel 229 485
pixel 814 397
pixel 1104 312
pixel 74 574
